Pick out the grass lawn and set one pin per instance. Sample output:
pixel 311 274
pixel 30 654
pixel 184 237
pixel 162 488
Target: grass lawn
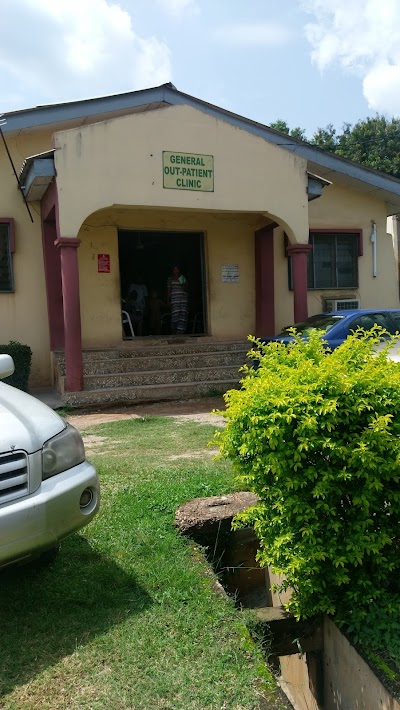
pixel 127 617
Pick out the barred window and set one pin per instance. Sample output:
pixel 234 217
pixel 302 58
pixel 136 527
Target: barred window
pixel 6 249
pixel 333 261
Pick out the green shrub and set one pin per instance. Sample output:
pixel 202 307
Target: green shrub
pixel 22 356
pixel 317 437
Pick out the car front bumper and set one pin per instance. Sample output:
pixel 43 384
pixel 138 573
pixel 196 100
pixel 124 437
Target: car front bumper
pixel 40 520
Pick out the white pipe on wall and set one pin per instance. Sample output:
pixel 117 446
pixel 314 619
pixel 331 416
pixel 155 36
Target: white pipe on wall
pixel 373 241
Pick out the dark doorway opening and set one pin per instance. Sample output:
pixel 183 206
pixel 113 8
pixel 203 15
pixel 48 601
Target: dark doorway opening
pixel 146 259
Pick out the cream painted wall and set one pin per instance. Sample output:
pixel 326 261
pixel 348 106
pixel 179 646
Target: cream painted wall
pixel 344 208
pixel 23 314
pixel 283 297
pixel 119 163
pixel 121 160
pixel 231 305
pixel 228 239
pixel 99 292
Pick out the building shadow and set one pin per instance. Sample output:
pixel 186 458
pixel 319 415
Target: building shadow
pixel 47 611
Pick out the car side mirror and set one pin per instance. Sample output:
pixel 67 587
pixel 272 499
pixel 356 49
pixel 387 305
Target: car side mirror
pixel 6 366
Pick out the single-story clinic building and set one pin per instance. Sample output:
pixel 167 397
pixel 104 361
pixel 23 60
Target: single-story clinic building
pixel 267 229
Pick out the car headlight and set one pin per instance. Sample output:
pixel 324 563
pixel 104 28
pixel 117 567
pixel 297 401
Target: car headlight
pixel 62 452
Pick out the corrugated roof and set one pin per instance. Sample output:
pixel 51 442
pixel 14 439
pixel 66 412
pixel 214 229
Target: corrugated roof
pixel 327 165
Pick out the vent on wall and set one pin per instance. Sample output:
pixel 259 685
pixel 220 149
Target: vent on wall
pixel 341 304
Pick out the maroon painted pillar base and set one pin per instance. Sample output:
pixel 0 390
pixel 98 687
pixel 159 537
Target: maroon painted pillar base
pixel 72 313
pixel 265 287
pixel 299 253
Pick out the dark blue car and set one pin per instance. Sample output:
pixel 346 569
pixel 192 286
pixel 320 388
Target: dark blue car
pixel 338 325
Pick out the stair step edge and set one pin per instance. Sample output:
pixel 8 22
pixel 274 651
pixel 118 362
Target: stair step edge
pixel 211 384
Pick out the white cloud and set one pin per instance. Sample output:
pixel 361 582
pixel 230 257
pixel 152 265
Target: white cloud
pixel 177 8
pixel 265 34
pixel 382 88
pixel 63 49
pixel 152 62
pixel 362 36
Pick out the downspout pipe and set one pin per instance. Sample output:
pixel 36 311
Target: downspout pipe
pixel 373 241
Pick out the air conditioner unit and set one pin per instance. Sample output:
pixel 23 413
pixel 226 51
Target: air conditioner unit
pixel 341 304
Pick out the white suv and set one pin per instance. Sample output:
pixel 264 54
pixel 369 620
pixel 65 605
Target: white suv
pixel 47 488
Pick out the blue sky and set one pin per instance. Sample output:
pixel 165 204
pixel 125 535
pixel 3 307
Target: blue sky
pixel 310 62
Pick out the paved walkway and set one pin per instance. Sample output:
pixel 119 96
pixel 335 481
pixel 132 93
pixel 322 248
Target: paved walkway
pixel 198 410
pixel 49 396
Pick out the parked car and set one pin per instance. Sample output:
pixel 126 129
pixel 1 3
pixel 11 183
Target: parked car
pixel 336 326
pixel 47 488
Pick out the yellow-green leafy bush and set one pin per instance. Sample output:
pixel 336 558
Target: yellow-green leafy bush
pixel 317 437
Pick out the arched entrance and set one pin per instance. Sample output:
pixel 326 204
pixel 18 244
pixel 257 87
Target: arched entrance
pixel 146 259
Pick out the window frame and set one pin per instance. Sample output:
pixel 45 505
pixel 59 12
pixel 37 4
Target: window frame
pixel 11 249
pixel 334 232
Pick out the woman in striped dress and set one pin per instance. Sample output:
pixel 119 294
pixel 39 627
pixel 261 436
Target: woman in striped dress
pixel 177 293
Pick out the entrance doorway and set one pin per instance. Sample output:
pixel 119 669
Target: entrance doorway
pixel 146 261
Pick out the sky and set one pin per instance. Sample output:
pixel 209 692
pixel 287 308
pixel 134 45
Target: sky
pixel 309 62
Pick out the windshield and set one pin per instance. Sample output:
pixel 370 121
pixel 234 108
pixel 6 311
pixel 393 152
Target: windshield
pixel 314 323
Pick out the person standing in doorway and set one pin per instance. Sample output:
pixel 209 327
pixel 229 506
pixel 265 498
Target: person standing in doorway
pixel 137 302
pixel 178 298
pixel 155 307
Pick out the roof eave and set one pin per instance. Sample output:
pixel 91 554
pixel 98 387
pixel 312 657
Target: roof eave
pixel 318 160
pixel 316 157
pixel 61 112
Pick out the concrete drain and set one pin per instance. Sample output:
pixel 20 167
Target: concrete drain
pixel 316 665
pixel 232 554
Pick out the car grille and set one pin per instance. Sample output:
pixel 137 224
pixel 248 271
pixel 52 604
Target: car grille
pixel 13 476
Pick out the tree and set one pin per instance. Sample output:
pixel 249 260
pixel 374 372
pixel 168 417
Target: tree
pixel 317 437
pixel 326 138
pixel 282 126
pixel 373 142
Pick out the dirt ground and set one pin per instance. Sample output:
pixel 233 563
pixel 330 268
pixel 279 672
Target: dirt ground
pixel 194 410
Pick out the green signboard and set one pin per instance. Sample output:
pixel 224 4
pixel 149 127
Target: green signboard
pixel 188 171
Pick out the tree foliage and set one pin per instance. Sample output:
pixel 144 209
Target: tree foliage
pixel 282 126
pixel 317 438
pixel 373 142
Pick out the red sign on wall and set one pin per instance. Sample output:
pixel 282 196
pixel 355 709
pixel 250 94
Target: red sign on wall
pixel 103 263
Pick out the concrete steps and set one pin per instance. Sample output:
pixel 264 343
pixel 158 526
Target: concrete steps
pixel 161 377
pixel 123 364
pixel 155 371
pixel 148 393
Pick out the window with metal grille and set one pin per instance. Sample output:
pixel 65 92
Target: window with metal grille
pixel 333 260
pixel 6 250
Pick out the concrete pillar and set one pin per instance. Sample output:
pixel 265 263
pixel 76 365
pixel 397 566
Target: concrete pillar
pixel 52 266
pixel 265 287
pixel 72 313
pixel 299 253
pixel 52 270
